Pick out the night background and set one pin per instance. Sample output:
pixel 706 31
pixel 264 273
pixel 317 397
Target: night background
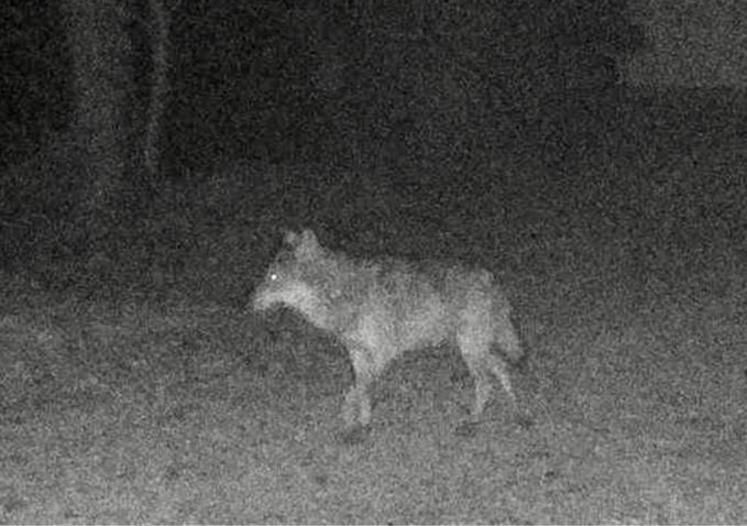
pixel 153 153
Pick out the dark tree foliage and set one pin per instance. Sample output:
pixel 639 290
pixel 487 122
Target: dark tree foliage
pixel 379 82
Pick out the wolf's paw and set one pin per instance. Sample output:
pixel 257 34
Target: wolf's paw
pixel 524 421
pixel 355 435
pixel 466 429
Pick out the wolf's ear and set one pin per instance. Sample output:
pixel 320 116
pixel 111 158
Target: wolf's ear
pixel 292 239
pixel 308 237
pixel 307 246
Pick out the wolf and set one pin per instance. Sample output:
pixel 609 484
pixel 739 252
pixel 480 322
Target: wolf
pixel 381 308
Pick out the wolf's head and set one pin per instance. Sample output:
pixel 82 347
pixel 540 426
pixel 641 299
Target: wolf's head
pixel 292 280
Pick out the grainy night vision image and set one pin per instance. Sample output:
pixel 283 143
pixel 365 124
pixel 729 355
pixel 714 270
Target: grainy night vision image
pixel 373 262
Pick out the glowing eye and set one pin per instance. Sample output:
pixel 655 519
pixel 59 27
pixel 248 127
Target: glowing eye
pixel 273 277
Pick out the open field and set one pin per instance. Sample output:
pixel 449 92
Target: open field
pixel 170 410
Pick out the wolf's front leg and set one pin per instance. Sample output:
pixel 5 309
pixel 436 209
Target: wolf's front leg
pixel 356 413
pixel 351 407
pixel 356 409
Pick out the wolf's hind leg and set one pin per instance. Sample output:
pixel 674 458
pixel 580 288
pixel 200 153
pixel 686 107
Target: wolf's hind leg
pixel 473 340
pixel 483 390
pixel 498 368
pixel 351 406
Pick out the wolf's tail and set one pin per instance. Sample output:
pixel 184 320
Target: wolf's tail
pixel 510 345
pixel 507 338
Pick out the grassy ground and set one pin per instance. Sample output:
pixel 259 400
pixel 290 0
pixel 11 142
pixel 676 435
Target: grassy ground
pixel 184 408
pixel 173 411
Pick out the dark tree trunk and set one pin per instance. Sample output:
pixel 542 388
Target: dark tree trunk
pixel 102 86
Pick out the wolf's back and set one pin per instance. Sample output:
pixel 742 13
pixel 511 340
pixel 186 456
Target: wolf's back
pixel 428 303
pixel 399 299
